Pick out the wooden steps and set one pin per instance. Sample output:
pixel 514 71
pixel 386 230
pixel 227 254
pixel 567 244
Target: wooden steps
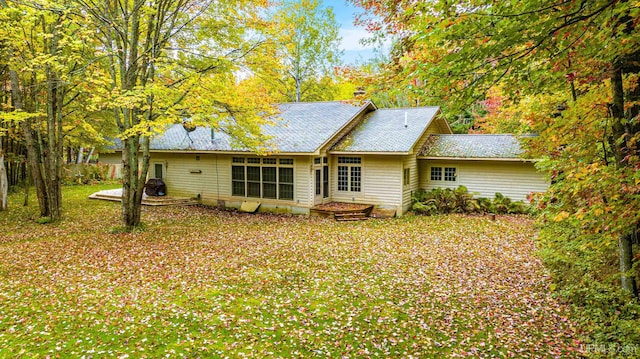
pixel 169 201
pixel 343 212
pixel 350 216
pixel 116 195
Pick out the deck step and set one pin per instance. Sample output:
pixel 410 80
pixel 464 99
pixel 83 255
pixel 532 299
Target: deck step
pixel 351 216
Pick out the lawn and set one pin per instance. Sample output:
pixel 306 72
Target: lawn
pixel 204 283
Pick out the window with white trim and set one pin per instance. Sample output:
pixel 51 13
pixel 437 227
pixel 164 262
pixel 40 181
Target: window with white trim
pixel 447 174
pixel 262 177
pixel 349 174
pixel 406 175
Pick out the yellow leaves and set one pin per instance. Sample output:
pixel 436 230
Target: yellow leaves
pixel 561 216
pixel 19 116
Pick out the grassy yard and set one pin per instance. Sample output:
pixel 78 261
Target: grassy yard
pixel 204 283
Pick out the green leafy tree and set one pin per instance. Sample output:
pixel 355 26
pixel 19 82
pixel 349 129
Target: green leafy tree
pixel 45 48
pixel 302 43
pixel 460 51
pixel 166 60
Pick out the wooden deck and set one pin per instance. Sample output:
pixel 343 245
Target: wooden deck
pixel 343 211
pixel 116 195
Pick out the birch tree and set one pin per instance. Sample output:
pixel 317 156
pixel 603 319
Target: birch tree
pixel 305 40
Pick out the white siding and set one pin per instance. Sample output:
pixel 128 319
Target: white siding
pixel 213 181
pixel 381 182
pixel 186 176
pixel 411 163
pixel 303 185
pixel 484 178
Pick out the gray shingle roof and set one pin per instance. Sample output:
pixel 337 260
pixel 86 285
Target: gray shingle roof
pixel 384 130
pixel 472 146
pixel 300 127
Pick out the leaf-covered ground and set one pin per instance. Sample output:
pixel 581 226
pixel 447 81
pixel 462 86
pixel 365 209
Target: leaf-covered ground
pixel 204 283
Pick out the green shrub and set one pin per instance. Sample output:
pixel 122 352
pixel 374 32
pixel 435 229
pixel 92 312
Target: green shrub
pixel 485 205
pixel 584 271
pixel 459 200
pixel 428 208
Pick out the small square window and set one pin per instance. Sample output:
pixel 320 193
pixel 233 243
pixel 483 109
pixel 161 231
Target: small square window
pixel 436 173
pixel 316 161
pixel 450 174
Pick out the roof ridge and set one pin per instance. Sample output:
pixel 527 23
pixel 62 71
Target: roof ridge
pixel 312 102
pixel 406 108
pixel 479 134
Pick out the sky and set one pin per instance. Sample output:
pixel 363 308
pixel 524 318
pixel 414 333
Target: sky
pixel 354 52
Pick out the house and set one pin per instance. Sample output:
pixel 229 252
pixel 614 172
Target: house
pixel 339 152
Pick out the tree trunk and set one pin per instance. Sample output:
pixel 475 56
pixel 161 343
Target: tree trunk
pixel 132 183
pixel 80 155
pixel 89 155
pixel 53 156
pixel 628 279
pixel 33 154
pixel 4 183
pixel 618 142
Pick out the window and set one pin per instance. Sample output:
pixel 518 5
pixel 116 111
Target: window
pixel 318 182
pixel 253 181
pixel 262 177
pixel 269 182
pixel 286 182
pixel 450 174
pixel 356 177
pixel 237 181
pixel 436 173
pixel 325 181
pixel 406 176
pixel 158 170
pixel 349 174
pixel 343 178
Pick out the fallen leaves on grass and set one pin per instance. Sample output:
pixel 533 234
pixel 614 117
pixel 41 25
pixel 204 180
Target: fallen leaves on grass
pixel 201 282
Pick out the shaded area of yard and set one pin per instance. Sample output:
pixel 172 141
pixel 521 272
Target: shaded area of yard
pixel 200 282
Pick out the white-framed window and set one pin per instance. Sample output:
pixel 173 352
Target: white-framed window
pixel 350 174
pixel 325 178
pixel 262 177
pixel 406 176
pixel 159 170
pixel 447 174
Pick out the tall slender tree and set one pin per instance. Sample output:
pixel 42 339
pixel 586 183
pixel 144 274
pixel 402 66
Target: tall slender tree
pixel 305 50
